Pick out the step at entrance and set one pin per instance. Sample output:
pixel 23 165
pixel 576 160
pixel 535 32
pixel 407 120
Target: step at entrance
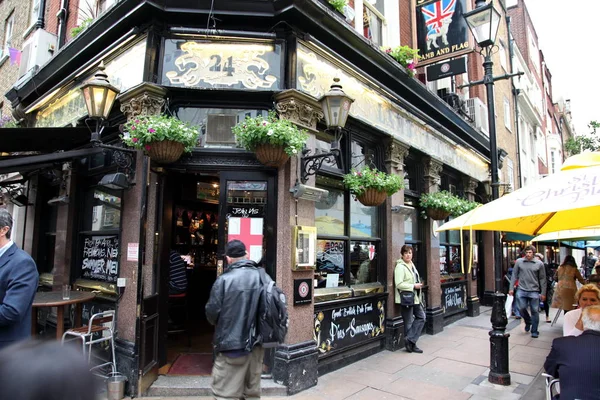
pixel 200 386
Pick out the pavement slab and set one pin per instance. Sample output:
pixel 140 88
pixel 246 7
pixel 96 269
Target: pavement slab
pixel 454 365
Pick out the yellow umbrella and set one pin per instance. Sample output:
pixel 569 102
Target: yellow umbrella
pixel 592 233
pixel 582 160
pixel 569 199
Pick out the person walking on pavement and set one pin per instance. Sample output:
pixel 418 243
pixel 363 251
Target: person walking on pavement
pixel 574 359
pixel 566 287
pixel 18 284
pixel 233 308
pixel 407 279
pixel 532 288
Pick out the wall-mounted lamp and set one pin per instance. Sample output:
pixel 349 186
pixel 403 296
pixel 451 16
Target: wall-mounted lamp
pixel 117 181
pixel 305 192
pixel 336 107
pixel 501 156
pixel 19 200
pixel 403 210
pixel 99 97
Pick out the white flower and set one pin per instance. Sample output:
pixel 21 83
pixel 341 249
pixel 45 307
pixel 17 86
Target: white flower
pixel 270 132
pixel 294 151
pixel 265 123
pixel 126 135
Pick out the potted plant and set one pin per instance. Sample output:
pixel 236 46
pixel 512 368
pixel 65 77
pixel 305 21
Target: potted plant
pixel 339 5
pixel 405 55
pixel 371 186
pixel 273 140
pixel 440 205
pixel 163 137
pixel 7 122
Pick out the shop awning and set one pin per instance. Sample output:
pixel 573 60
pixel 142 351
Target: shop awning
pixel 30 163
pixel 42 139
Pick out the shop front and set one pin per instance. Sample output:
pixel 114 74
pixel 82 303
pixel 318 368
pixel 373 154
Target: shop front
pixel 333 257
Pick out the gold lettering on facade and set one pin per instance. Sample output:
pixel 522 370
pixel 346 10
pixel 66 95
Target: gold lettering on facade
pixel 226 64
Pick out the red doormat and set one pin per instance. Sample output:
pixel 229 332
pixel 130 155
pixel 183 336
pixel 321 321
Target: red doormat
pixel 192 364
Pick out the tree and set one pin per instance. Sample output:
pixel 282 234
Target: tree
pixel 590 141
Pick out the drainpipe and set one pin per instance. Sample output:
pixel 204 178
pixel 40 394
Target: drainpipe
pixel 515 93
pixel 62 15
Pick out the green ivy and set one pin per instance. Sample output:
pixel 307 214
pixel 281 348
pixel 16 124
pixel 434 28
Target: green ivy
pixel 80 28
pixel 446 201
pixel 253 132
pixel 144 130
pixel 358 181
pixel 339 5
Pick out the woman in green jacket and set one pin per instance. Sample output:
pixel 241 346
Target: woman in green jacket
pixel 407 279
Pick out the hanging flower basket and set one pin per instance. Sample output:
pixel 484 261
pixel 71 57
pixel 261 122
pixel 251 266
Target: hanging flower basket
pixel 273 140
pixel 164 138
pixel 271 155
pixel 372 197
pixel 437 213
pixel 165 151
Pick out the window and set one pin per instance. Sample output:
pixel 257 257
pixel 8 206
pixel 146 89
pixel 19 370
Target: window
pixel 215 123
pixel 502 55
pixel 534 53
pixel 510 174
pixel 104 5
pixel 348 240
pixel 99 235
pixel 507 123
pixel 34 11
pixel 373 21
pixel 450 265
pixel 8 34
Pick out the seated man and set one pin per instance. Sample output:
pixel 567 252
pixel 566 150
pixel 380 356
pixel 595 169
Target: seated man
pixel 177 273
pixel 575 360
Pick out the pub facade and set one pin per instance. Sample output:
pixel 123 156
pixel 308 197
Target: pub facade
pixel 261 56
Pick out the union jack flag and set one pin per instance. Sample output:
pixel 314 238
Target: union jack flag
pixel 436 13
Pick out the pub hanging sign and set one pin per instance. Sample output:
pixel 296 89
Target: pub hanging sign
pixel 441 30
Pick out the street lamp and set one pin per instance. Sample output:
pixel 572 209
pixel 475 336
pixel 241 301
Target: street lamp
pixel 99 96
pixel 483 22
pixel 336 107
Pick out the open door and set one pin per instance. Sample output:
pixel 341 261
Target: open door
pixel 248 213
pixel 154 329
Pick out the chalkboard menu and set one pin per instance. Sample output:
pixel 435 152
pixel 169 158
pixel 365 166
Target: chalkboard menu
pixel 349 324
pixel 454 297
pixel 100 258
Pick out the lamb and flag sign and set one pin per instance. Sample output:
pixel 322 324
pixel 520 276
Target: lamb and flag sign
pixel 442 32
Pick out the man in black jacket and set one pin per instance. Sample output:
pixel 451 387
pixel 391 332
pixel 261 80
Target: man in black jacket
pixel 233 308
pixel 576 359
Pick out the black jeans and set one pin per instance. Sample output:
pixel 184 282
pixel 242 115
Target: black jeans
pixel 414 321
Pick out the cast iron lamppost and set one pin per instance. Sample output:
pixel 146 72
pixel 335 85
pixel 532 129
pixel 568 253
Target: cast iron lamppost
pixel 336 107
pixel 483 22
pixel 99 97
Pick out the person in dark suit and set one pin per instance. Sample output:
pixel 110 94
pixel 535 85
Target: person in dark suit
pixel 575 360
pixel 18 284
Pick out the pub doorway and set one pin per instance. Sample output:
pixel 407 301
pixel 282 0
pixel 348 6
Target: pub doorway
pixel 202 212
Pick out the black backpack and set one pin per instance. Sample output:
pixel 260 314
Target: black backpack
pixel 272 313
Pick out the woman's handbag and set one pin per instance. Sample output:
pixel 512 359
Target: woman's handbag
pixel 407 298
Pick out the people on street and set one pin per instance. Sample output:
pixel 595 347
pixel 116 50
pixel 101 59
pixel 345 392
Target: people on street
pixel 233 308
pixel 574 359
pixel 566 275
pixel 18 284
pixel 549 286
pixel 531 274
pixel 407 279
pixel 587 295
